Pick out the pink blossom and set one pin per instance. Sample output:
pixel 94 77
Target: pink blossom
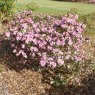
pixel 78 58
pixel 24 26
pixel 42 63
pixel 60 62
pixel 67 57
pixel 23 46
pixel 14 51
pixel 24 55
pixel 70 42
pixel 7 34
pixel 53 64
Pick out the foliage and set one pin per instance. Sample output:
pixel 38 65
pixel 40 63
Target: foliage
pixel 32 6
pixel 49 41
pixel 6 8
pixel 73 11
pixel 89 20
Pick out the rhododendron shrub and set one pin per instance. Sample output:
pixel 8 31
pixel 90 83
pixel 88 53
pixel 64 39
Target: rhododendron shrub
pixel 48 40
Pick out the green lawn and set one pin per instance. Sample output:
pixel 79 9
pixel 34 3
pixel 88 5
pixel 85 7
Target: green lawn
pixel 58 7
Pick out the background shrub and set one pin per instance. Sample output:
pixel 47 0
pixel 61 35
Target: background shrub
pixel 89 21
pixel 6 8
pixel 32 6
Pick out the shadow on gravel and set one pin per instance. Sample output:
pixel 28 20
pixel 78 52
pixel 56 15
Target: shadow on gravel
pixel 87 87
pixel 12 62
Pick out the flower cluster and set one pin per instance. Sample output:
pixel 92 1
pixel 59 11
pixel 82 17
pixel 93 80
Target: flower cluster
pixel 49 40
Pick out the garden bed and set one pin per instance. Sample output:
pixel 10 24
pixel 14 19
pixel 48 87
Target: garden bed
pixel 20 78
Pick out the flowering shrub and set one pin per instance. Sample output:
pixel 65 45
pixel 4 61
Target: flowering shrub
pixel 48 40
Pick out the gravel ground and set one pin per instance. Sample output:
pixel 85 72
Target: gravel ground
pixel 26 82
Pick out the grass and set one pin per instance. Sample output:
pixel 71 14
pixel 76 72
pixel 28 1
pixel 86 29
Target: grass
pixel 60 8
pixel 57 7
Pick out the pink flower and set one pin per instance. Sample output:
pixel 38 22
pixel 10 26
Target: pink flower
pixel 64 18
pixel 63 42
pixel 70 42
pixel 7 34
pixel 42 63
pixel 78 58
pixel 50 48
pixel 14 51
pixel 57 22
pixel 24 26
pixel 60 62
pixel 58 42
pixel 24 55
pixel 15 32
pixel 23 46
pixel 53 64
pixel 67 57
pixel 29 21
pixel 18 38
pixel 35 49
pixel 22 21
